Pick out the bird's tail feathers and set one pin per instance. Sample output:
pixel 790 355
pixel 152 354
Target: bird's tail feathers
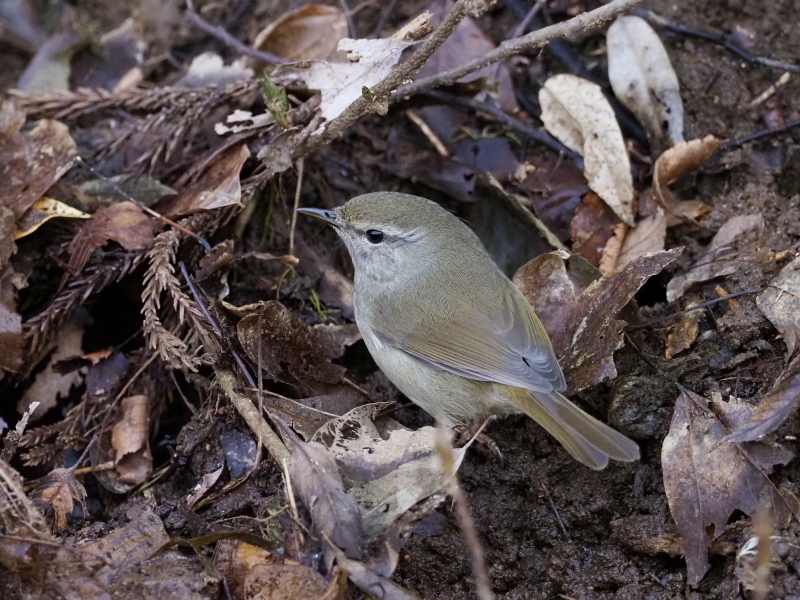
pixel 584 437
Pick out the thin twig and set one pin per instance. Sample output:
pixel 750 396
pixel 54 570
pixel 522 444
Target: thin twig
pixel 293 227
pixel 521 45
pixel 721 40
pixel 760 134
pixel 541 137
pixel 387 12
pixel 694 307
pixel 226 38
pixel 482 583
pixel 348 15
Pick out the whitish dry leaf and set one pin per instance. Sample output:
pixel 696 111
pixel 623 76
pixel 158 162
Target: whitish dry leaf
pixel 209 69
pixel 676 162
pixel 706 479
pixel 216 187
pixel 583 326
pixel 50 385
pixel 311 32
pixel 576 112
pixel 60 490
pixel 369 62
pixel 334 513
pixel 720 258
pixel 129 439
pixel 123 222
pixel 780 303
pixel 643 79
pixel 206 482
pixel 42 211
pixel 775 407
pixel 647 237
pixel 389 471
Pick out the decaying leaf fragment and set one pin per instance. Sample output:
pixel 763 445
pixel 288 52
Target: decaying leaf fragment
pixel 123 222
pixel 706 478
pixel 643 79
pixel 335 516
pixel 18 514
pixel 775 407
pixel 722 256
pixel 60 490
pixel 780 303
pixel 576 112
pixel 388 473
pixel 290 349
pixel 216 187
pixel 582 324
pixel 130 441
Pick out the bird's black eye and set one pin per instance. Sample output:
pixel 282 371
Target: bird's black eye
pixel 374 236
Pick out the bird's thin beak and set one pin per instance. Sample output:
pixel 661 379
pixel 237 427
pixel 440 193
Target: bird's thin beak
pixel 328 216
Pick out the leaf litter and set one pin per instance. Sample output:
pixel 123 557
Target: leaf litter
pixel 313 369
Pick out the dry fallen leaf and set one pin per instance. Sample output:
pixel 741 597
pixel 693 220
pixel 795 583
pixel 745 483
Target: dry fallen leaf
pixel 676 162
pixel 389 473
pixel 208 69
pixel 583 325
pixel 335 517
pixel 42 211
pixel 643 79
pixel 780 303
pixel 612 249
pixel 18 515
pixel 309 32
pixel 123 222
pixel 130 441
pixel 576 112
pixel 31 161
pixel 721 257
pixel 646 237
pixel 706 478
pixel 290 349
pixel 683 333
pixel 775 407
pixel 50 385
pixel 592 227
pixel 60 490
pixel 369 62
pixel 217 186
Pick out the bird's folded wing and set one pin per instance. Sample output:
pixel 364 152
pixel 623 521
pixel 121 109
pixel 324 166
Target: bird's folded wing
pixel 509 346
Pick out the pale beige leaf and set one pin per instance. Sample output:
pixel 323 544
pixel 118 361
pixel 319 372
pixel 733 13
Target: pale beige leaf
pixel 648 236
pixel 643 79
pixel 780 303
pixel 576 112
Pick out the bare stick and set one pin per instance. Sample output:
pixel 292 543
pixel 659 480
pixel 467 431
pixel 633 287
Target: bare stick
pixel 226 38
pixel 521 45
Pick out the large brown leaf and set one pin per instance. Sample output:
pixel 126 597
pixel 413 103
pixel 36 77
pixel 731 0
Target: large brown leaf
pixel 706 478
pixel 583 325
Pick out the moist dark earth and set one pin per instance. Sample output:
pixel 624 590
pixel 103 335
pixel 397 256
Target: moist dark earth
pixel 551 528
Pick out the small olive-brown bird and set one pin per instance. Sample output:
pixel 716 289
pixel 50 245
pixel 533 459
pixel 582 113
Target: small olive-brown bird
pixel 450 330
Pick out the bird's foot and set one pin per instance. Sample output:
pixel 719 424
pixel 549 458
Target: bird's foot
pixel 486 445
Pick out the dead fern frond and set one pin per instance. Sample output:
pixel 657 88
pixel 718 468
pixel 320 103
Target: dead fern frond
pixel 94 278
pixel 68 105
pixel 40 455
pixel 17 512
